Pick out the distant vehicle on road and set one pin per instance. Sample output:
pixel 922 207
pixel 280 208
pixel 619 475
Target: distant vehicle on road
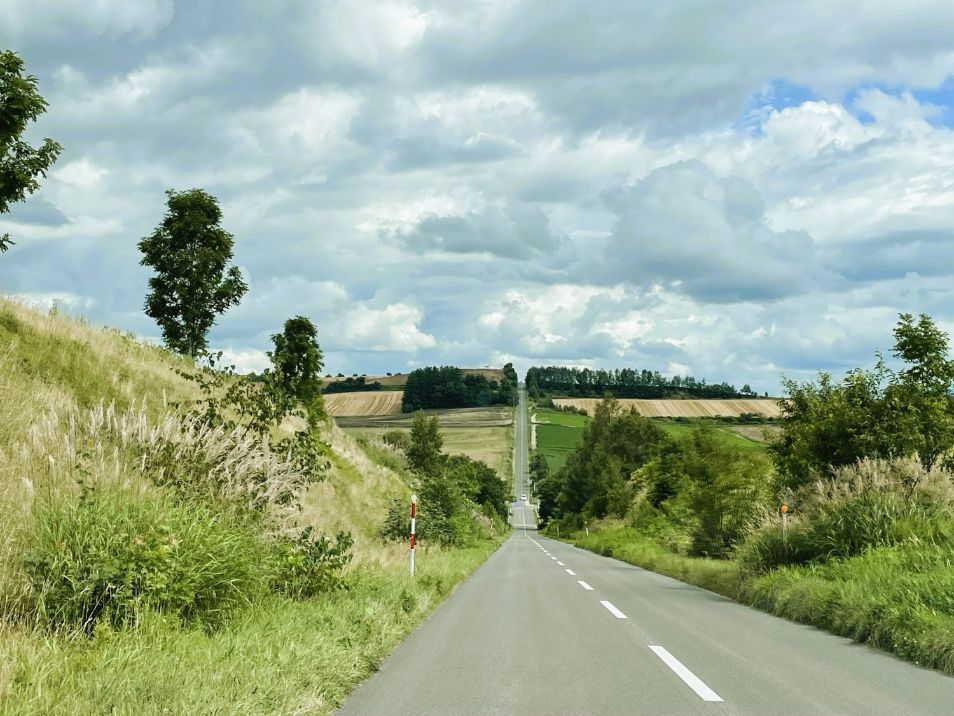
pixel 523 497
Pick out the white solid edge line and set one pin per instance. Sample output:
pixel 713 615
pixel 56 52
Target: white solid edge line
pixel 570 572
pixel 692 681
pixel 585 586
pixel 612 610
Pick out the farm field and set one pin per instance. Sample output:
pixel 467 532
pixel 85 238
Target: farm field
pixel 480 433
pixel 684 408
pixel 495 416
pixel 372 402
pixel 558 434
pixel 725 433
pixel 492 445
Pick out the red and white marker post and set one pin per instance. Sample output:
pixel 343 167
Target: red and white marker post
pixel 413 529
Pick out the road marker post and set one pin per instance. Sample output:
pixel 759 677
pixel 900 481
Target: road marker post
pixel 413 529
pixel 784 511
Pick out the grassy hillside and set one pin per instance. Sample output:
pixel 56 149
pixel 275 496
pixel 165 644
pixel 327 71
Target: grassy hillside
pixel 558 434
pixel 100 477
pixel 727 435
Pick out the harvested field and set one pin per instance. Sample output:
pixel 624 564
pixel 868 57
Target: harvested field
pixel 373 402
pixel 496 416
pixel 480 433
pixel 399 379
pixel 684 408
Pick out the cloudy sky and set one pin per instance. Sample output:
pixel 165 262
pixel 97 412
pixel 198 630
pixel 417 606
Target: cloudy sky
pixel 738 193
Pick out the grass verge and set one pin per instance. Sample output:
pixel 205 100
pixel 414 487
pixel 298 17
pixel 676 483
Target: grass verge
pixel 277 657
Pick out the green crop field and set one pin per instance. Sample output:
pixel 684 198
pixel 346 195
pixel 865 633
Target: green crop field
pixel 723 432
pixel 558 434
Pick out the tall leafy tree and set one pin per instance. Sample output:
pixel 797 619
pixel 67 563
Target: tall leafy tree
pixel 21 165
pixel 925 386
pixel 190 253
pixel 297 359
pixel 875 413
pixel 424 453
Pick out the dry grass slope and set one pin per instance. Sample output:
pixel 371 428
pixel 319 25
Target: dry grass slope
pixel 683 408
pixel 81 402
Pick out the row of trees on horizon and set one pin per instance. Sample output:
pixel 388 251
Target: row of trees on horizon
pixel 564 381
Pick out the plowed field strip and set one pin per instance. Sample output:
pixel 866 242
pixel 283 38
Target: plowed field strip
pixel 683 408
pixel 375 402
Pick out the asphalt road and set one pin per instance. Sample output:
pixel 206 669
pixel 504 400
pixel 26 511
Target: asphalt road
pixel 546 628
pixel 522 513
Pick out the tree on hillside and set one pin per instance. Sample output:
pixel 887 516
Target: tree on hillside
pixel 297 359
pixel 876 413
pixel 424 452
pixel 725 489
pixel 449 387
pixel 20 164
pixel 193 284
pixel 925 386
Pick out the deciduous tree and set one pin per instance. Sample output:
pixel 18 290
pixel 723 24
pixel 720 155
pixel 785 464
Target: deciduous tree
pixel 21 165
pixel 193 283
pixel 298 360
pixel 424 453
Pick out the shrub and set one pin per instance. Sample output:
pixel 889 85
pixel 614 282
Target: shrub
pixel 308 565
pixel 397 439
pixel 112 553
pixel 874 503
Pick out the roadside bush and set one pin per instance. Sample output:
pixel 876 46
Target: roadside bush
pixel 398 439
pixel 308 565
pixel 875 503
pixel 112 553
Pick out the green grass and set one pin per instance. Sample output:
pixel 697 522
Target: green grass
pixel 558 435
pixel 723 433
pixel 261 652
pixel 277 657
pixel 556 442
pixel 630 545
pixel 558 417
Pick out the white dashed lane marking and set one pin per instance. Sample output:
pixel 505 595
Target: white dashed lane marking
pixel 692 681
pixel 612 610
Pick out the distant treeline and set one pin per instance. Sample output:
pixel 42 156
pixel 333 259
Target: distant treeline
pixel 449 387
pixel 623 383
pixel 351 385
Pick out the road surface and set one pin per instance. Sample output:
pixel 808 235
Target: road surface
pixel 522 515
pixel 545 628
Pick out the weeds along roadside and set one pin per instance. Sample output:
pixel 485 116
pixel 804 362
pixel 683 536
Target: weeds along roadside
pixel 119 515
pixel 102 658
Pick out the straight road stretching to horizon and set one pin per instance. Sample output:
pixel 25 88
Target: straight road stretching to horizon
pixel 522 513
pixel 546 628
